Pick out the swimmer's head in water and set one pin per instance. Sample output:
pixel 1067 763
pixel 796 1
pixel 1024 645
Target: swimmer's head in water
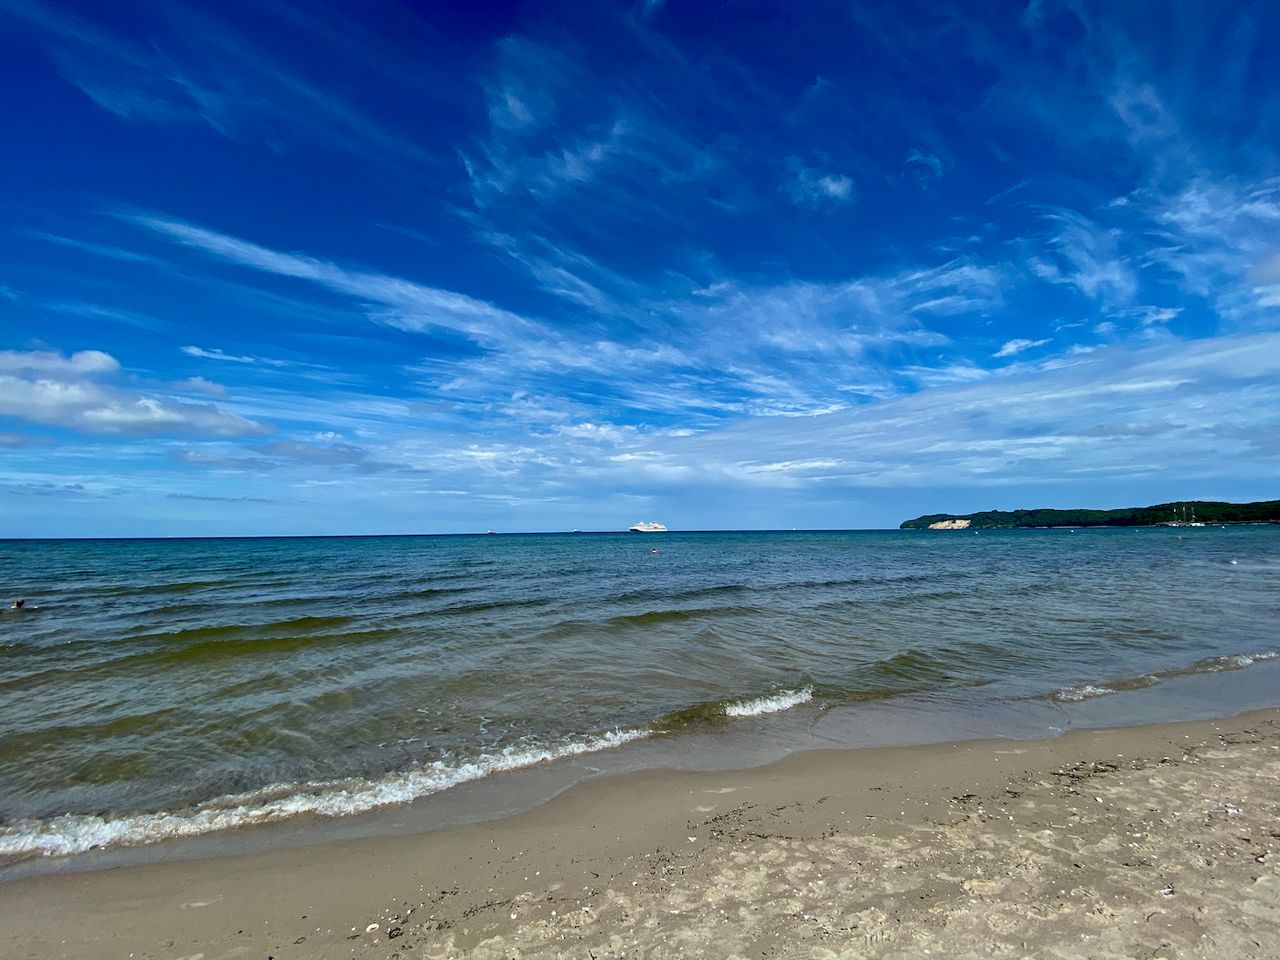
pixel 19 604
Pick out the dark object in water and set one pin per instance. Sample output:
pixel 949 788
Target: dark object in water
pixel 19 604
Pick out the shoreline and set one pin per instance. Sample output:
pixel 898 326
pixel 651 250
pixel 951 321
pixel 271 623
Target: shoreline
pixel 1210 689
pixel 1126 837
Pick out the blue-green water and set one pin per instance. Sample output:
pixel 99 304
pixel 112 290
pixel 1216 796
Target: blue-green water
pixel 154 689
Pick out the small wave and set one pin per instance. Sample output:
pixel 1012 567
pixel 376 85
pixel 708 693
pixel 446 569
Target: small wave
pixel 182 586
pixel 128 590
pixel 653 617
pixel 1234 662
pixel 423 593
pixel 697 593
pixel 78 833
pixel 1237 661
pixel 1076 694
pixel 774 704
pixel 914 668
pixel 291 627
pixel 721 711
pixel 459 609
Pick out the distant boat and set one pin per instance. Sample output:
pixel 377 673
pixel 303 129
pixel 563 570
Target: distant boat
pixel 488 533
pixel 648 526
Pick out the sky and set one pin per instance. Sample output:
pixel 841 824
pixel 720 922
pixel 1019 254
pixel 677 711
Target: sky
pixel 454 266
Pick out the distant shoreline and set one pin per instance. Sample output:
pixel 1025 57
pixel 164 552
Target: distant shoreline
pixel 905 525
pixel 1179 513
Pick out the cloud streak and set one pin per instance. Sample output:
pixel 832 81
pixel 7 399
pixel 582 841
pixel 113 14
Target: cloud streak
pixel 223 81
pixel 391 300
pixel 1118 412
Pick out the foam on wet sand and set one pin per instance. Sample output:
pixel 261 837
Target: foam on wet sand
pixel 1149 841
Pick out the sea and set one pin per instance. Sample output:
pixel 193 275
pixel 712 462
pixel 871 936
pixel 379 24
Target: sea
pixel 210 691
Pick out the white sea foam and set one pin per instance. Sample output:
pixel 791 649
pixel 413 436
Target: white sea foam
pixel 778 702
pixel 1239 661
pixel 76 833
pixel 1076 694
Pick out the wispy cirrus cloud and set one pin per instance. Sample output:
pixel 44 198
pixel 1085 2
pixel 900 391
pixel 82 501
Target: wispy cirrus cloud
pixel 1086 256
pixel 821 273
pixel 957 286
pixel 923 167
pixel 216 353
pixel 558 128
pixel 211 499
pixel 1118 411
pixel 1213 235
pixel 389 299
pixel 1016 346
pixel 223 81
pixel 815 188
pixel 110 251
pixel 302 456
pixel 337 453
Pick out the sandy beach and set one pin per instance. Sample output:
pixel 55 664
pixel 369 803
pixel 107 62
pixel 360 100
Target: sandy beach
pixel 1158 841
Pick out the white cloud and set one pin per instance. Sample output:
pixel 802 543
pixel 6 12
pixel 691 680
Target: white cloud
pixel 923 167
pixel 598 432
pixel 56 364
pixel 1154 316
pixel 1016 346
pixel 49 388
pixel 958 372
pixel 215 353
pixel 201 385
pixel 814 188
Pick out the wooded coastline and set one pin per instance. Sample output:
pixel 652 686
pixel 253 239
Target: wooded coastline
pixel 1177 513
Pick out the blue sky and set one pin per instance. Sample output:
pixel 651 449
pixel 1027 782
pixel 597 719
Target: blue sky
pixel 395 268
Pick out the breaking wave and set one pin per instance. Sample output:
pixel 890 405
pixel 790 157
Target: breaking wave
pixel 773 704
pixel 78 833
pixel 1237 661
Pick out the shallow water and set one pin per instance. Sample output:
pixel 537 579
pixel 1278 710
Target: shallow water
pixel 171 688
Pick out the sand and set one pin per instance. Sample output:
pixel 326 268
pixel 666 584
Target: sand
pixel 1142 842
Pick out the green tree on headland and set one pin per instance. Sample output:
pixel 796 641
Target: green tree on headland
pixel 1207 511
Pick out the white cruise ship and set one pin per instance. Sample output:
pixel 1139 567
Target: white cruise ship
pixel 648 526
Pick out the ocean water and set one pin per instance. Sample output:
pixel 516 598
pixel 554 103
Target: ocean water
pixel 154 689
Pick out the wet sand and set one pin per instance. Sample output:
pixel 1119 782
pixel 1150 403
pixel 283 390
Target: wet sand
pixel 1158 841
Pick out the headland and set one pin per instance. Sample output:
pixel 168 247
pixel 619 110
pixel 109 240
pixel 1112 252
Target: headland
pixel 1177 513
